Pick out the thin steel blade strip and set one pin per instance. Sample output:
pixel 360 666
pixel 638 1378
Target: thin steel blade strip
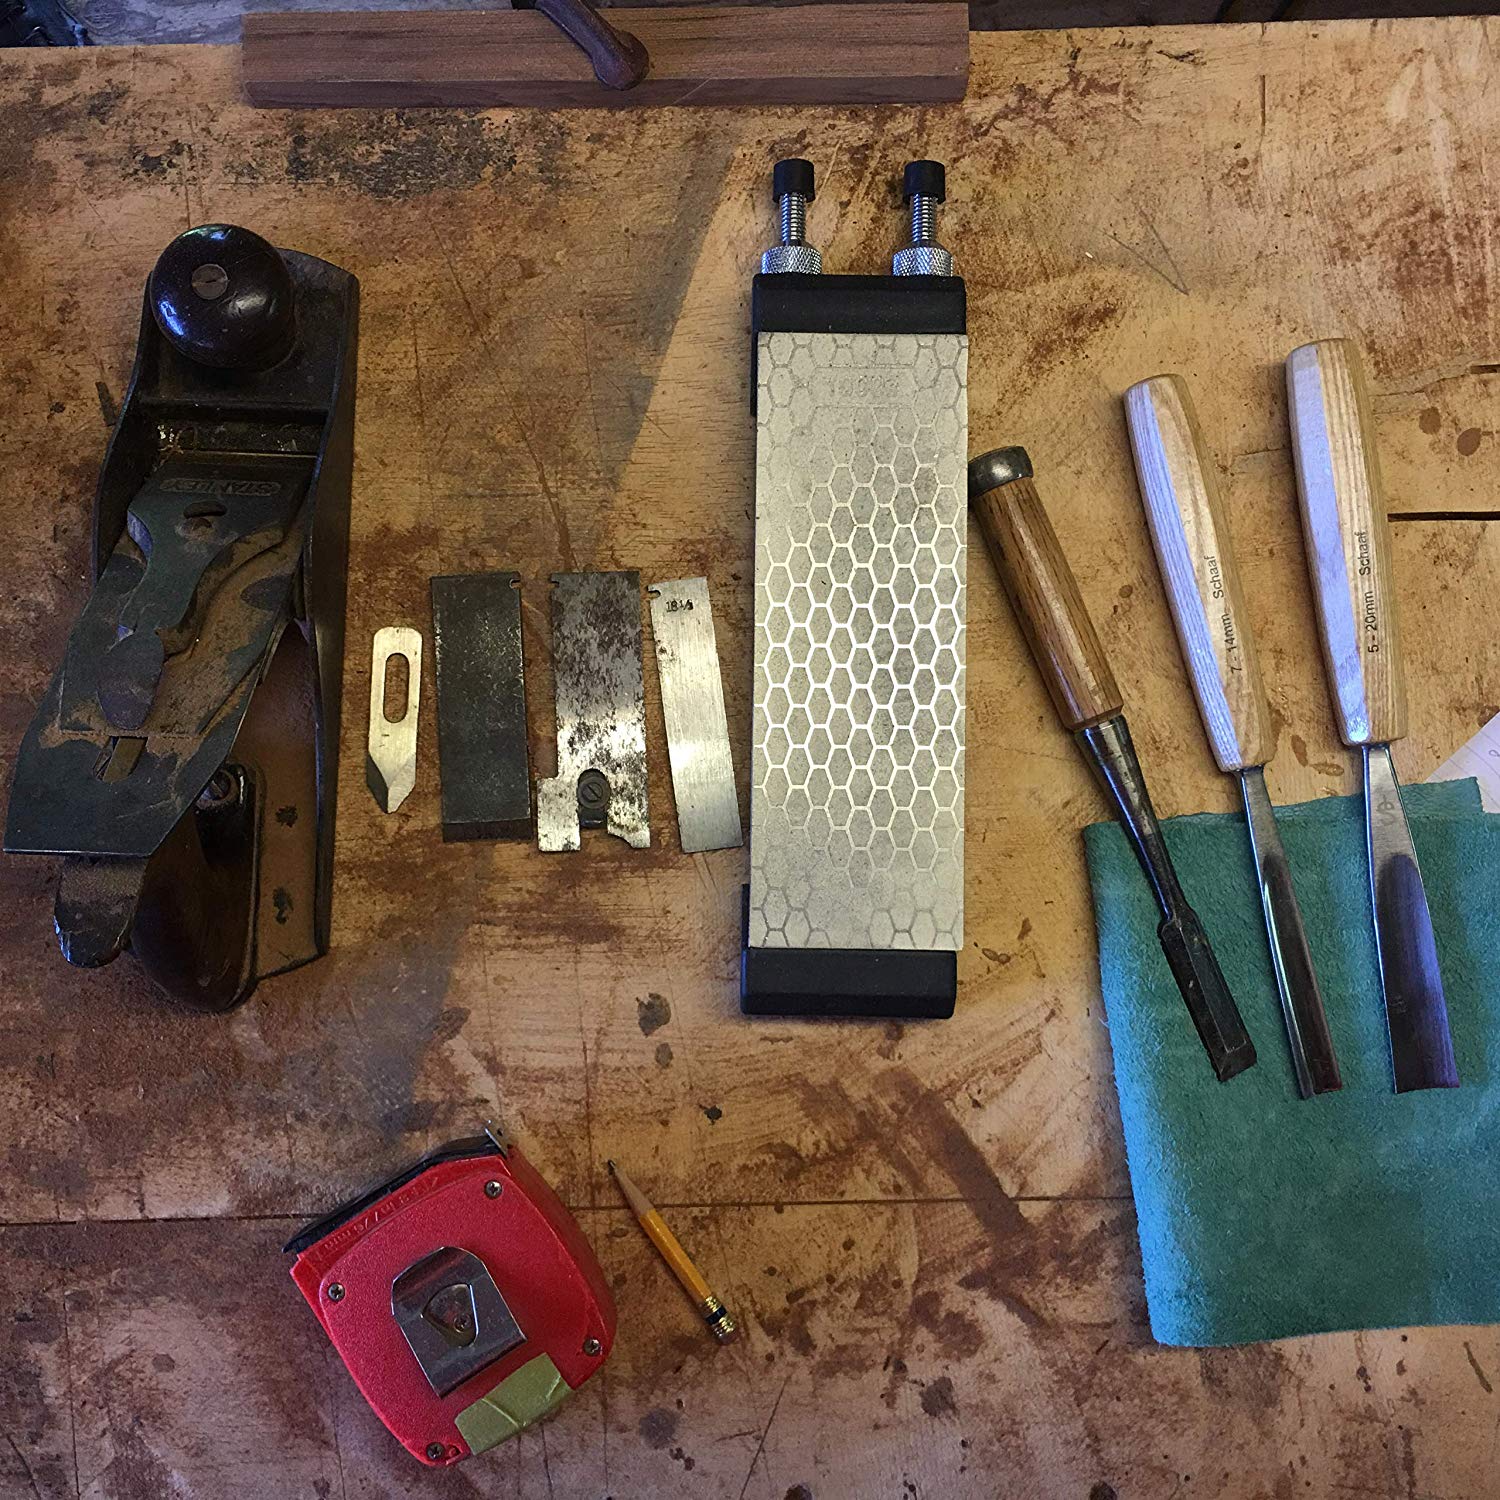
pixel 601 709
pixel 1415 1011
pixel 692 704
pixel 391 755
pixel 1313 1059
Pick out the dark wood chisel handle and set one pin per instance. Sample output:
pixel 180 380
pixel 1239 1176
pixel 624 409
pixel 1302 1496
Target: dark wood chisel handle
pixel 1042 589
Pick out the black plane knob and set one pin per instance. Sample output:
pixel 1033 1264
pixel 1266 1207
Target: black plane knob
pixel 222 297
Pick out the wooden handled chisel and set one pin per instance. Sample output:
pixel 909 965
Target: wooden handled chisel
pixel 1349 559
pixel 1190 533
pixel 1045 597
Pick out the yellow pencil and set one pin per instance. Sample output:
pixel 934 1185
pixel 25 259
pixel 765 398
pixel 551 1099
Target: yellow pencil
pixel 715 1314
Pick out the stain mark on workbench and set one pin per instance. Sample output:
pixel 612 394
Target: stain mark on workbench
pixel 663 1054
pixel 103 102
pixel 109 408
pixel 938 1399
pixel 1467 442
pixel 958 1335
pixel 392 154
pixel 159 163
pixel 714 1113
pixel 1256 1376
pixel 658 1427
pixel 1070 334
pixel 652 1013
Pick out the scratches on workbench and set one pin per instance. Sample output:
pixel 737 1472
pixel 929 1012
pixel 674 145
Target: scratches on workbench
pixel 1158 260
pixel 588 1087
pixel 541 1432
pixel 21 1459
pixel 416 364
pixel 555 506
pixel 760 1447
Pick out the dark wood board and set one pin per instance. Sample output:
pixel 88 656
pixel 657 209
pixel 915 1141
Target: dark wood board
pixel 700 55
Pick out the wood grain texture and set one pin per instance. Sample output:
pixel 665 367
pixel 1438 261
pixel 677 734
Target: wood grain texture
pixel 1348 539
pixel 553 372
pixel 1194 549
pixel 1049 608
pixel 877 53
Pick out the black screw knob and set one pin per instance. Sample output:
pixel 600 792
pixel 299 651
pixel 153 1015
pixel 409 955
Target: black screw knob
pixel 924 179
pixel 792 174
pixel 222 296
pixel 593 799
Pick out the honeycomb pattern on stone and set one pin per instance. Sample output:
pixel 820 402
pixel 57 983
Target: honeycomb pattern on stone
pixel 857 776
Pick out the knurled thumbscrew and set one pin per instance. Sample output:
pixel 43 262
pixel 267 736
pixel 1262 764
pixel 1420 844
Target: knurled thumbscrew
pixel 923 187
pixel 792 188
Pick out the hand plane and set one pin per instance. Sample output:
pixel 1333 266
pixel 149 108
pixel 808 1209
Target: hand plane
pixel 184 759
pixel 462 1297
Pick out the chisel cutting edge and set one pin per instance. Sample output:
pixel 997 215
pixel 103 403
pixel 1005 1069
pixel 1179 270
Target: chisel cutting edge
pixel 1045 597
pixel 1348 555
pixel 1191 536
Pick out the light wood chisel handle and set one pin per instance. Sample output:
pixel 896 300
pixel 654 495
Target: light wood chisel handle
pixel 1191 535
pixel 1348 539
pixel 1042 589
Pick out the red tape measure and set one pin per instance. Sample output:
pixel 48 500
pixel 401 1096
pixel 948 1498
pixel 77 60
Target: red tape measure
pixel 462 1296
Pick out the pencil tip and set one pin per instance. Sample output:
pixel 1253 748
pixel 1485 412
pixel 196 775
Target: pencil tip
pixel 610 1164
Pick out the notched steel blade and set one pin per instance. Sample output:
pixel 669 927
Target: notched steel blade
pixel 391 758
pixel 1416 1013
pixel 692 705
pixel 601 710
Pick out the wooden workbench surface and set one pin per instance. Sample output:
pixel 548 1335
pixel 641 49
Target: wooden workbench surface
pixel 926 1230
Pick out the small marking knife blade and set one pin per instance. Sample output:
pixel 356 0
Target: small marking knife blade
pixel 391 755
